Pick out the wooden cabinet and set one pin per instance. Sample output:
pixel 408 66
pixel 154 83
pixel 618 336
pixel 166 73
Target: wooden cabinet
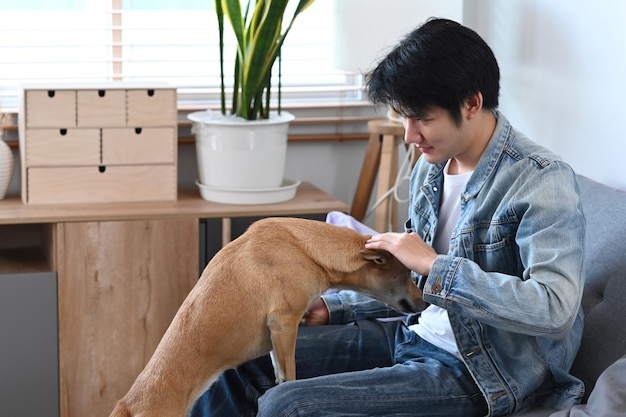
pixel 83 305
pixel 120 285
pixel 111 142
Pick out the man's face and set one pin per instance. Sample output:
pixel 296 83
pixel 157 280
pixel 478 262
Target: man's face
pixel 436 135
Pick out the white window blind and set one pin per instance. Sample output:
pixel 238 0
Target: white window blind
pixel 174 41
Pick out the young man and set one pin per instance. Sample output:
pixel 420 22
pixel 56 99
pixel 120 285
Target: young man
pixel 495 238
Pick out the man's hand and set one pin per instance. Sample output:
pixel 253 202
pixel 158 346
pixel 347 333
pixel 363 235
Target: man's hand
pixel 316 315
pixel 409 248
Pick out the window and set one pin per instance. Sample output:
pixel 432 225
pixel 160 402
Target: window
pixel 152 41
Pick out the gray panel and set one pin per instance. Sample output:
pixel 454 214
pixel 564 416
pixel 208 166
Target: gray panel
pixel 29 371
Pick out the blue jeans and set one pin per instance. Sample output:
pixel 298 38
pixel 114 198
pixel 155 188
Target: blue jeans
pixel 371 368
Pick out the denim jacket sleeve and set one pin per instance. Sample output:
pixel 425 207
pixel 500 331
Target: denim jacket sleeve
pixel 346 306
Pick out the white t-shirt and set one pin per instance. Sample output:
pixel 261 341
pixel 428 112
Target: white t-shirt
pixel 434 324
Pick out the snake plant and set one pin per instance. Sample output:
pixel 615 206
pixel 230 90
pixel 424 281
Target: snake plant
pixel 259 33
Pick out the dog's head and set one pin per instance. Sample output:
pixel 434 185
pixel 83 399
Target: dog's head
pixel 388 280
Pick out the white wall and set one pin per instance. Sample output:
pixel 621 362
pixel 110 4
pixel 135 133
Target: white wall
pixel 563 67
pixel 364 31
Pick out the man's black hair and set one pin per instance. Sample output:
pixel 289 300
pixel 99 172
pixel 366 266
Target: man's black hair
pixel 441 63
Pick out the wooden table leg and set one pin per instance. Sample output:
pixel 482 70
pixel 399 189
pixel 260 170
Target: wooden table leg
pixel 386 213
pixel 227 234
pixel 369 170
pixel 381 159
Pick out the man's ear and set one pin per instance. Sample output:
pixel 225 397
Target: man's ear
pixel 473 105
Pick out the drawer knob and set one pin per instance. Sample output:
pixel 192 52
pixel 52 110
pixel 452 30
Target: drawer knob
pixel 51 93
pixel 138 130
pixel 150 93
pixel 102 168
pixel 101 93
pixel 63 132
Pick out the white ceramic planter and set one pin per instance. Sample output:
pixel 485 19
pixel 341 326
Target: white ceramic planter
pixel 240 155
pixel 6 167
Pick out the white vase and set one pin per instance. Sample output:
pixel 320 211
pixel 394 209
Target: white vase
pixel 6 167
pixel 238 154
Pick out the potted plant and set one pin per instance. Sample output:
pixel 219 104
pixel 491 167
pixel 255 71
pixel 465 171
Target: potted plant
pixel 225 138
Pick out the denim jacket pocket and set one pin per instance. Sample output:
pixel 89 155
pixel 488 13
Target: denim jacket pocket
pixel 494 248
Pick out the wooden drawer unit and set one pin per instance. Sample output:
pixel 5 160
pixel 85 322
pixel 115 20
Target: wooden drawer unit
pixel 98 143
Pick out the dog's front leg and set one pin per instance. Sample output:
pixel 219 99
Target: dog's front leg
pixel 283 331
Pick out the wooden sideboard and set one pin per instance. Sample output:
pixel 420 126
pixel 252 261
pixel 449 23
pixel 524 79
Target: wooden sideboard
pixel 117 274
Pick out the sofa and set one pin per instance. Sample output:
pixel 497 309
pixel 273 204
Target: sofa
pixel 604 303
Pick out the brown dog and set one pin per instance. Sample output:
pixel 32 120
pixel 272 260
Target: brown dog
pixel 250 300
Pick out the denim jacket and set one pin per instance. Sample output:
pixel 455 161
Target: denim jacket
pixel 512 280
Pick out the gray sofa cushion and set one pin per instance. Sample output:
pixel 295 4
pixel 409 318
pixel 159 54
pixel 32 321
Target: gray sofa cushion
pixel 608 398
pixel 604 336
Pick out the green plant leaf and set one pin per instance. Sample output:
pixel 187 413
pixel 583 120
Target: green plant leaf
pixel 259 40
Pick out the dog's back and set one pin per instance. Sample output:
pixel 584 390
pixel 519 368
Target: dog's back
pixel 275 238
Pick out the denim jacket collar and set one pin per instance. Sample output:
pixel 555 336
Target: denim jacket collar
pixel 500 140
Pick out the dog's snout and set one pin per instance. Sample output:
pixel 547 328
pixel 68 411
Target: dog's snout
pixel 407 307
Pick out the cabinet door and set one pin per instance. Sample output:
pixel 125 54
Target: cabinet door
pixel 28 346
pixel 120 285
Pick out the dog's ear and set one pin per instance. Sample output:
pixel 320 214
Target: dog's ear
pixel 377 256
